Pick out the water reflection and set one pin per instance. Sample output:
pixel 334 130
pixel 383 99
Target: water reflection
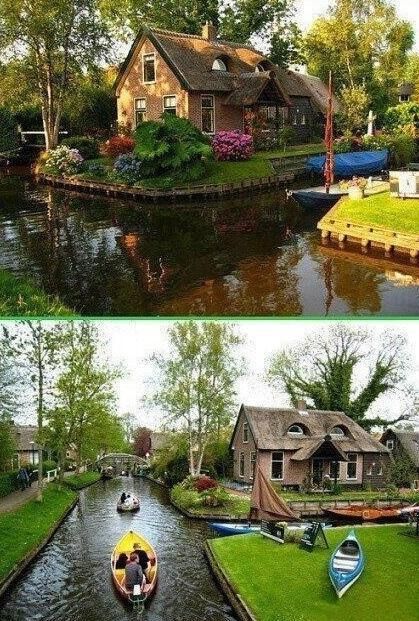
pixel 71 580
pixel 258 255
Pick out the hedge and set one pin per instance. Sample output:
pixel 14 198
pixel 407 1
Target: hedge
pixel 8 483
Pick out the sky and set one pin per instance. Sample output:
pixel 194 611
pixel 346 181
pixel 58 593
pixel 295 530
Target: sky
pixel 131 343
pixel 308 10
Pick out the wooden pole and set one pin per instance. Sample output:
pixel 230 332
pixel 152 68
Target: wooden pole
pixel 328 169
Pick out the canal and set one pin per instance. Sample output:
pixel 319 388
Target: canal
pixel 248 255
pixel 70 580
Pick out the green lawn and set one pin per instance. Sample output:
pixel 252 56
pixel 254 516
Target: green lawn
pixel 84 479
pixel 19 297
pixel 237 507
pixel 382 210
pixel 367 496
pixel 286 583
pixel 25 528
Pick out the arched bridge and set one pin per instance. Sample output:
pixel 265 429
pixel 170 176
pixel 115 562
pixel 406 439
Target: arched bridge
pixel 121 461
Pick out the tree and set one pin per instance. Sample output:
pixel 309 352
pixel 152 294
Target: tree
pixel 326 369
pixel 84 398
pixel 354 108
pixel 195 383
pixel 142 441
pixel 401 471
pixel 7 443
pixel 56 38
pixel 363 43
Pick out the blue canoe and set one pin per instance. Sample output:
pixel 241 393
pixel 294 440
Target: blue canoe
pixel 346 564
pixel 311 198
pixel 355 163
pixel 233 528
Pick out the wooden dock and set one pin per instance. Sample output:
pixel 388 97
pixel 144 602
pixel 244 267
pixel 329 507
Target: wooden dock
pixel 331 226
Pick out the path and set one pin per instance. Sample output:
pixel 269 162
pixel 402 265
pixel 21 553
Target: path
pixel 18 498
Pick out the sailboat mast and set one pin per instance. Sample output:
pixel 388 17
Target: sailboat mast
pixel 328 138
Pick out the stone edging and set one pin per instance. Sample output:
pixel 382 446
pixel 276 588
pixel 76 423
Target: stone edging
pixel 25 562
pixel 240 608
pixel 175 194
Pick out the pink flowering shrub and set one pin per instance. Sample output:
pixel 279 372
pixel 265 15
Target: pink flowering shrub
pixel 233 145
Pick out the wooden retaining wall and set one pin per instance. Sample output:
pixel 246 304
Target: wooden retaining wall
pixel 173 195
pixel 391 241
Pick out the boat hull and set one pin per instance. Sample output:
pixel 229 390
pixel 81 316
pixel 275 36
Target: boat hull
pixel 225 528
pixel 126 545
pixel 315 200
pixel 346 564
pixel 123 507
pixel 364 514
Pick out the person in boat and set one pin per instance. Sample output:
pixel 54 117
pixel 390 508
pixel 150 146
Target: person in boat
pixel 142 557
pixel 121 561
pixel 133 573
pixel 123 498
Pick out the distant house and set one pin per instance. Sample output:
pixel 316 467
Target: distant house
pixel 404 444
pixel 294 446
pixel 406 90
pixel 158 441
pixel 218 85
pixel 27 448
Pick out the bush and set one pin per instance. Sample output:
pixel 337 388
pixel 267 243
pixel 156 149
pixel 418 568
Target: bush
pixel 286 136
pixel 117 145
pixel 347 143
pixel 215 497
pixel 401 115
pixel 8 131
pixel 185 498
pixel 87 147
pixel 128 168
pixel 203 483
pixel 8 483
pixel 63 161
pixel 173 148
pixel 233 145
pixel 401 147
pixel 95 169
pixel 48 465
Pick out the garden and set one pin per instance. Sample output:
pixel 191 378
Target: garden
pixel 203 496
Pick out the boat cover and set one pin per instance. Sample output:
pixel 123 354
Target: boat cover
pixel 351 164
pixel 265 503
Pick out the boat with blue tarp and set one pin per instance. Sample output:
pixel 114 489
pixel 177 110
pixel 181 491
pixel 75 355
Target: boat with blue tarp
pixel 355 163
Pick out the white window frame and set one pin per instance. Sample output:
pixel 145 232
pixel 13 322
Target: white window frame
pixel 241 462
pixel 170 107
pixel 351 461
pixel 277 461
pixel 140 110
pixel 213 113
pixel 370 470
pixel 390 445
pixel 149 54
pixel 245 426
pixel 252 462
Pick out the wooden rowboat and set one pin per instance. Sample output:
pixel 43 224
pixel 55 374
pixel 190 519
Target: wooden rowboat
pixel 346 564
pixel 364 513
pixel 131 504
pixel 126 545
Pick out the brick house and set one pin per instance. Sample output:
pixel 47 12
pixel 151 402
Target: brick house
pixel 27 448
pixel 218 85
pixel 295 446
pixel 404 444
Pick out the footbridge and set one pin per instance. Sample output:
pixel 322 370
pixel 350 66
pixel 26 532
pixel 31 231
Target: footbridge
pixel 121 461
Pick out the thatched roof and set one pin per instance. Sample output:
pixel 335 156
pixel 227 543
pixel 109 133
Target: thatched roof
pixel 270 426
pixel 24 435
pixel 409 441
pixel 158 440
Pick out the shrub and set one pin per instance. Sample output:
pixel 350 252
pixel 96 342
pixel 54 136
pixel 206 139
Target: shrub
pixel 95 169
pixel 48 465
pixel 185 498
pixel 347 143
pixel 172 148
pixel 8 131
pixel 232 145
pixel 286 136
pixel 215 497
pixel 128 168
pixel 63 161
pixel 117 145
pixel 87 147
pixel 203 483
pixel 401 115
pixel 401 147
pixel 8 483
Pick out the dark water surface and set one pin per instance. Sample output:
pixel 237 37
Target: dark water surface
pixel 250 255
pixel 70 580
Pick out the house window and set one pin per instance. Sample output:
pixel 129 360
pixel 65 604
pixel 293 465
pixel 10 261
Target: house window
pixel 337 432
pixel 219 65
pixel 245 432
pixel 390 445
pixel 149 68
pixel 334 470
pixel 296 430
pixel 351 466
pixel 241 465
pixel 374 468
pixel 207 114
pixel 277 469
pixel 252 464
pixel 140 110
pixel 404 98
pixel 303 118
pixel 169 104
pixel 294 118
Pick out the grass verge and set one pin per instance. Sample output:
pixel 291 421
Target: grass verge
pixel 78 481
pixel 19 297
pixel 22 530
pixel 381 210
pixel 291 584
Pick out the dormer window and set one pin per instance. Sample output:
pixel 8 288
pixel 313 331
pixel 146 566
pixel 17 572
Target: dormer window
pixel 219 65
pixel 259 68
pixel 337 432
pixel 296 430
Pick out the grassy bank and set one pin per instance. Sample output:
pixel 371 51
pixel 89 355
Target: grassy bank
pixel 364 495
pixel 20 297
pixel 22 530
pixel 290 584
pixel 78 481
pixel 381 210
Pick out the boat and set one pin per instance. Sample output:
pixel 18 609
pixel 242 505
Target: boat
pixel 125 546
pixel 352 164
pixel 346 564
pixel 107 473
pixel 364 513
pixel 410 510
pixel 317 198
pixel 131 503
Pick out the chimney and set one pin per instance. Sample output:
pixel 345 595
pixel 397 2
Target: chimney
pixel 209 32
pixel 301 405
